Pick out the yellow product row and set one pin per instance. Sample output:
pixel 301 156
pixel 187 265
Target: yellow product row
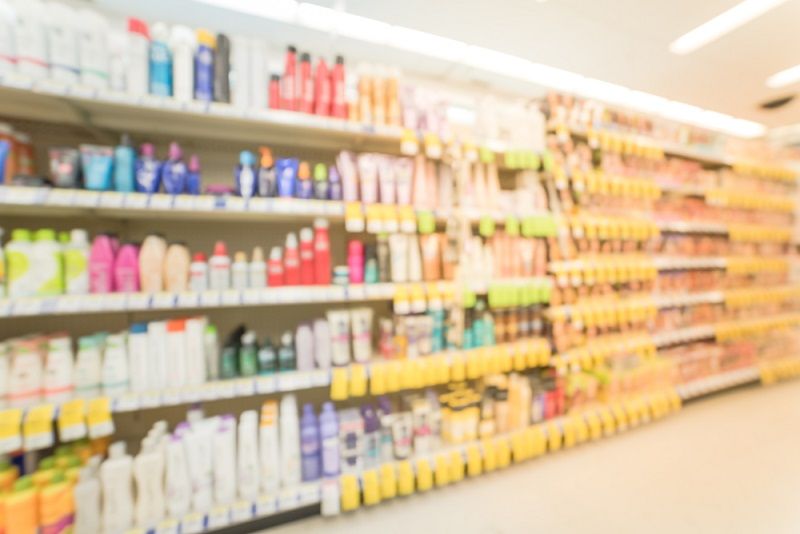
pixel 606 311
pixel 358 380
pixel 750 200
pixel 589 226
pixel 773 371
pixel 451 465
pixel 596 182
pixel 759 296
pixel 600 350
pixel 766 171
pixel 756 264
pixel 735 330
pixel 604 269
pixel 757 233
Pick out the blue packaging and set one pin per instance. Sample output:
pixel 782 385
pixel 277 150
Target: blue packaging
pixel 245 175
pixel 4 147
pixel 160 62
pixel 286 169
pixel 125 166
pixel 97 164
pixel 335 191
pixel 174 172
pixel 204 67
pixel 148 171
pixel 193 182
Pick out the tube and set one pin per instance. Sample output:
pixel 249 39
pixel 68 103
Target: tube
pixel 361 325
pixel 398 252
pixel 339 325
pixel 403 177
pixel 368 174
pixel 346 165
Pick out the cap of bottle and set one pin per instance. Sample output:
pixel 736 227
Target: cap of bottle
pixel 266 156
pixel 175 151
pixel 305 56
pixel 333 174
pixel 340 60
pixel 306 234
pixel 292 49
pixel 199 257
pixel 304 171
pixel 194 163
pixel 320 172
pixel 240 257
pixel 258 255
pixel 291 240
pixel 220 249
pixel 246 158
pixel 275 253
pixel 148 150
pixel 320 223
pixel 355 248
pixel 206 38
pixel 138 26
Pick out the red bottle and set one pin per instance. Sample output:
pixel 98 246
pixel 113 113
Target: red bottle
pixel 291 261
pixel 306 257
pixel 289 81
pixel 322 253
pixel 338 102
pixel 274 92
pixel 306 92
pixel 322 88
pixel 275 268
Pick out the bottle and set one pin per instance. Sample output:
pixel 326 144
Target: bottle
pixel 386 419
pixel 267 358
pixel 178 494
pixel 245 175
pixel 193 182
pixel 138 64
pixel 176 268
pixel 48 264
pixel 115 477
pixel 114 373
pixel 338 102
pixel 257 270
pixel 19 257
pixel 306 92
pixel 148 474
pixel 306 256
pixel 93 48
pixel 211 351
pixel 291 261
pixel 290 442
pixel 247 455
pixel 239 271
pixel 229 359
pixel 8 48
pixel 287 360
pixel 88 367
pixel 148 170
pixel 182 41
pixel 138 349
pixel 355 261
pixel 118 45
pixel 151 263
pixel 269 448
pixel 125 166
pixel 322 344
pixel 372 436
pixel 267 181
pixel 289 100
pixel 240 72
pixel 198 273
pixel 304 347
pixel 21 505
pixel 248 355
pixel 275 268
pixel 219 268
pixel 304 188
pixel 222 67
pixel 320 181
pixel 58 370
pixel 322 85
pixel 275 91
pixel 76 263
pixel 174 172
pixel 160 61
pixel 310 445
pixel 87 501
pixel 329 438
pixel 62 40
pixel 101 265
pixel 371 274
pixel 30 36
pixel 225 461
pixel 204 66
pixel 126 269
pixel 322 253
pixel 335 190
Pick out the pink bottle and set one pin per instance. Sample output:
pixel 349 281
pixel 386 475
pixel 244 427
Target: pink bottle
pixel 126 269
pixel 101 265
pixel 355 261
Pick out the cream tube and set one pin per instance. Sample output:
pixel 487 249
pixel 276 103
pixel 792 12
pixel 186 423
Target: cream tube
pixel 398 253
pixel 403 177
pixel 361 326
pixel 346 165
pixel 414 259
pixel 368 176
pixel 431 262
pixel 339 325
pixel 386 178
pixel 419 196
pixel 431 184
pixel 446 186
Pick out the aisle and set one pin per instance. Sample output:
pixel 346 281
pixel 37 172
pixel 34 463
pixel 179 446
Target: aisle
pixel 726 464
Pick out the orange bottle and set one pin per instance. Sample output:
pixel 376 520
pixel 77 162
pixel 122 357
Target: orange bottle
pixel 21 505
pixel 56 508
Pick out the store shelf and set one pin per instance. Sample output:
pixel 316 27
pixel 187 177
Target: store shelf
pixel 683 335
pixel 681 263
pixel 49 101
pixel 675 300
pixel 692 227
pixel 718 382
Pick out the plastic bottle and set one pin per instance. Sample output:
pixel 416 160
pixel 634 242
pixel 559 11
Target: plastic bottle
pixel 274 91
pixel 275 268
pixel 269 448
pixel 287 357
pixel 115 477
pixel 138 63
pixel 240 71
pixel 62 41
pixel 222 68
pixel 126 269
pixel 178 493
pixel 239 271
pixel 138 349
pixel 174 172
pixel 304 347
pixel 76 263
pixel 148 473
pixel 160 61
pixel 258 74
pixel 289 100
pixel 176 268
pixel 355 261
pixel 329 438
pixel 8 46
pixel 335 189
pixel 247 455
pixel 267 180
pixel 372 436
pixel 101 265
pixel 115 366
pixel 58 370
pixel 151 263
pixel 225 461
pixel 118 60
pixel 306 84
pixel 87 501
pixel 338 102
pixel 257 270
pixel 182 41
pixel 211 350
pixel 304 187
pixel 321 189
pixel 88 367
pixel 267 358
pixel 48 264
pixel 204 66
pixel 177 371
pixel 291 261
pixel 306 256
pixel 21 505
pixel 310 445
pixel 31 39
pixel 56 504
pixel 125 166
pixel 322 253
pixel 148 170
pixel 93 48
pixel 245 175
pixel 19 257
pixel 219 267
pixel 198 273
pixel 322 86
pixel 193 179
pixel 290 442
pixel 248 355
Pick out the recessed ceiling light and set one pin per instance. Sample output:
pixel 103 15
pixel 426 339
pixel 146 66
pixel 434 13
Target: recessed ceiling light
pixel 784 77
pixel 723 23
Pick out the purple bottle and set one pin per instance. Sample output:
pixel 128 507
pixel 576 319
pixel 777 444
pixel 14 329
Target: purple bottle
pixel 334 184
pixel 329 436
pixel 174 171
pixel 309 444
pixel 193 185
pixel 372 436
pixel 148 170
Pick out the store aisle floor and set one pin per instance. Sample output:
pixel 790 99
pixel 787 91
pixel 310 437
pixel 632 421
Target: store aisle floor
pixel 725 464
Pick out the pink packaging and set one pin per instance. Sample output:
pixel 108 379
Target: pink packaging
pixel 126 269
pixel 101 265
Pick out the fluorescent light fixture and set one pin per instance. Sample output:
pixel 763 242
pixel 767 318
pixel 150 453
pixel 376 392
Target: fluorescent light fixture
pixel 784 77
pixel 724 23
pixel 434 46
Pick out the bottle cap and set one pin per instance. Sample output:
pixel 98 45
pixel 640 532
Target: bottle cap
pixel 266 156
pixel 148 150
pixel 20 234
pixel 23 483
pixel 194 163
pixel 327 406
pixel 306 234
pixel 63 237
pixel 275 77
pixel 240 257
pixel 206 38
pixel 286 338
pixel 258 255
pixel 291 240
pixel 275 253
pixel 355 248
pixel 139 328
pixel 125 140
pixel 320 223
pixel 320 172
pixel 308 410
pixel 304 171
pixel 249 338
pixel 176 325
pixel 246 158
pixel 45 234
pixel 333 174
pixel 306 57
pixel 138 26
pixel 199 257
pixel 292 49
pixel 220 249
pixel 339 60
pixel 79 236
pixel 175 151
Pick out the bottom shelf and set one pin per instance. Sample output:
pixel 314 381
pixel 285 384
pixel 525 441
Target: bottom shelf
pixel 719 382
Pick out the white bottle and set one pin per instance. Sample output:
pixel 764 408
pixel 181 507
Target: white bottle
pixel 183 43
pixel 118 60
pixel 198 273
pixel 179 491
pixel 115 477
pixel 176 351
pixel 87 500
pixel 211 350
pixel 259 74
pixel 290 442
pixel 138 357
pixel 5 370
pixel 93 48
pixel 25 377
pixel 269 448
pixel 58 370
pixel 76 263
pixel 148 471
pixel 8 47
pixel 138 62
pixel 322 344
pixel 47 263
pixel 31 40
pixel 115 366
pixel 199 455
pixel 21 275
pixel 195 351
pixel 257 270
pixel 240 72
pixel 219 268
pixel 248 455
pixel 239 271
pixel 225 461
pixel 157 343
pixel 88 366
pixel 62 42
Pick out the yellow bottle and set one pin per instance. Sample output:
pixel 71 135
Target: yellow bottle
pixel 56 508
pixel 8 475
pixel 21 505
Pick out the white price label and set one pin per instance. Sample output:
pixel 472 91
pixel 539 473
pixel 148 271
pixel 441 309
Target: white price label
pixel 205 203
pixel 127 403
pixel 10 444
pixel 27 306
pixel 101 430
pixel 309 494
pixel 258 205
pixel 112 199
pixel 266 505
pixel 61 197
pixel 168 526
pixel 114 301
pixel 356 292
pixel 320 377
pixel 266 384
pixel 210 298
pixel 225 389
pixel 188 300
pixel 231 297
pixel 208 392
pixel 171 397
pixel 288 499
pixel 184 202
pixel 136 200
pixel 242 511
pixel 150 399
pixel 245 387
pixel 252 296
pixel 235 204
pixel 218 517
pixel 161 202
pixel 193 523
pixel 138 301
pixel 68 304
pixel 87 199
pixel 192 394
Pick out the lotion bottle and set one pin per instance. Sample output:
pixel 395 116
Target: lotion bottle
pixel 115 477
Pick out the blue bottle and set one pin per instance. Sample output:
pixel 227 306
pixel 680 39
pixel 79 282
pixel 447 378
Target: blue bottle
pixel 245 175
pixel 204 66
pixel 148 170
pixel 334 184
pixel 125 166
pixel 311 461
pixel 160 61
pixel 193 182
pixel 286 170
pixel 174 172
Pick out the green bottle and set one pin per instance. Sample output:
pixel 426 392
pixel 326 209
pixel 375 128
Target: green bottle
pixel 286 356
pixel 267 359
pixel 248 355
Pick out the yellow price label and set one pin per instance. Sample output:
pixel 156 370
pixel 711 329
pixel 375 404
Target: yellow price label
pixel 442 470
pixel 10 430
pixel 72 420
pixel 388 481
pixel 349 492
pixel 358 380
pixel 371 487
pixel 405 478
pixel 339 383
pixel 98 417
pixel 37 429
pixel 424 475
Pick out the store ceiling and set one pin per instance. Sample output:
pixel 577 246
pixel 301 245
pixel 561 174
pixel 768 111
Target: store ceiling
pixel 624 42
